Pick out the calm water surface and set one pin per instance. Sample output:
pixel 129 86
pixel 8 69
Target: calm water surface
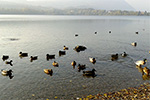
pixel 39 35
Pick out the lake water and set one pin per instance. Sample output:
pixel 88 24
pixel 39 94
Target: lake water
pixel 41 35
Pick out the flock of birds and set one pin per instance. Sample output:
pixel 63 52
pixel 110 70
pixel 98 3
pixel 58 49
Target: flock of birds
pixel 80 67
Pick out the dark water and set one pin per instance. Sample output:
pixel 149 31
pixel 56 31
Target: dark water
pixel 39 35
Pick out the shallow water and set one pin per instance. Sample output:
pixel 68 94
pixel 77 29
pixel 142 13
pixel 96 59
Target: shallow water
pixel 41 35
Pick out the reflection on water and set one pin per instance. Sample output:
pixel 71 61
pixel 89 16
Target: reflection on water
pixel 44 36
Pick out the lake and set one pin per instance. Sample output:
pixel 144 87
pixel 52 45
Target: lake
pixel 40 35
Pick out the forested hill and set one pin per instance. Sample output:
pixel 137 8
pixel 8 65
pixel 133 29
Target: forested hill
pixel 71 11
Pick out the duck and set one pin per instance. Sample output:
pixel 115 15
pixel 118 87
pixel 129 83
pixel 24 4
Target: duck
pixel 89 73
pixel 79 48
pixel 146 70
pixel 55 64
pixel 6 72
pixel 136 32
pixel 92 60
pixel 62 53
pixel 50 56
pixel 9 62
pixel 65 48
pixel 5 57
pixel 76 35
pixel 134 44
pixel 141 62
pixel 95 32
pixel 109 31
pixel 81 67
pixel 33 58
pixel 23 54
pixel 73 63
pixel 48 71
pixel 114 56
pixel 124 54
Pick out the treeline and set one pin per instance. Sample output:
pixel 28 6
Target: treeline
pixel 53 11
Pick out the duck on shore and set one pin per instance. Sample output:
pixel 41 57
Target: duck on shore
pixel 146 70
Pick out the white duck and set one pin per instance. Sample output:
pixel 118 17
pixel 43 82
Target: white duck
pixel 92 60
pixel 141 62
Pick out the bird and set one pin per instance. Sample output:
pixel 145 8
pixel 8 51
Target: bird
pixel 109 31
pixel 95 32
pixel 55 64
pixel 79 48
pixel 6 72
pixel 48 71
pixel 9 62
pixel 73 63
pixel 81 67
pixel 114 56
pixel 146 70
pixel 5 57
pixel 124 54
pixel 33 58
pixel 62 53
pixel 141 62
pixel 92 60
pixel 89 73
pixel 134 44
pixel 76 35
pixel 50 56
pixel 137 32
pixel 65 48
pixel 23 54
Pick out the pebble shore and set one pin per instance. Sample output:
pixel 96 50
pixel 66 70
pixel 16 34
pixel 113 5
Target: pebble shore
pixel 138 93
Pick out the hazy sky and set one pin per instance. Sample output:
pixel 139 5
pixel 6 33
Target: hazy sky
pixel 142 5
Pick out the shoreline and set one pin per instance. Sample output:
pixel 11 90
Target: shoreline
pixel 140 92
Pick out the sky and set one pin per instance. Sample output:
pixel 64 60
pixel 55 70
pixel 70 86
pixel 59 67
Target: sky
pixel 139 5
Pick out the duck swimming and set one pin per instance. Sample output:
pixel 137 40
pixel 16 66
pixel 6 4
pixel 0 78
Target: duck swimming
pixel 48 71
pixel 65 48
pixel 55 64
pixel 73 63
pixel 9 62
pixel 92 60
pixel 89 73
pixel 79 48
pixel 5 57
pixel 124 54
pixel 33 58
pixel 141 62
pixel 50 56
pixel 81 67
pixel 62 53
pixel 134 44
pixel 23 54
pixel 114 57
pixel 7 73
